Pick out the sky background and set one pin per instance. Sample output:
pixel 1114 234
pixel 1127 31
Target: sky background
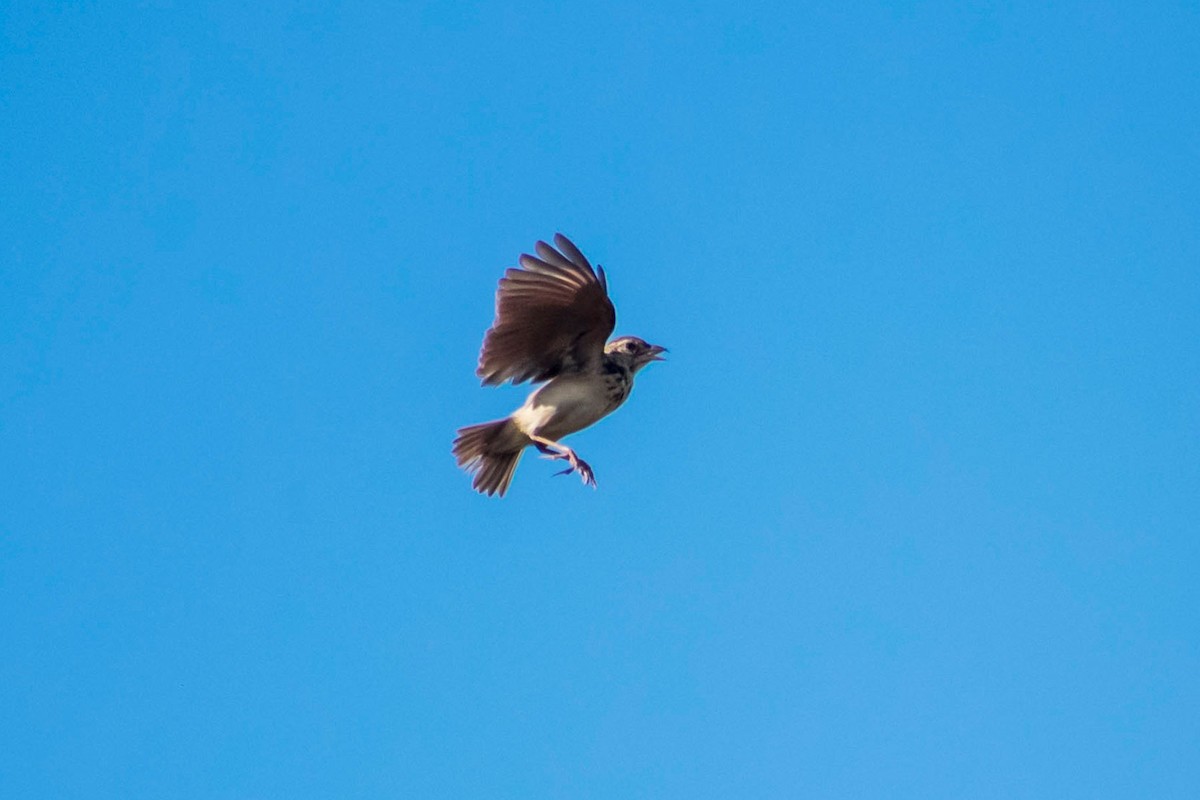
pixel 911 511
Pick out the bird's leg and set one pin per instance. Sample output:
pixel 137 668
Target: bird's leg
pixel 556 451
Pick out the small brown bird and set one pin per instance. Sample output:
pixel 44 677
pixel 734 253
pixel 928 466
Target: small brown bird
pixel 553 317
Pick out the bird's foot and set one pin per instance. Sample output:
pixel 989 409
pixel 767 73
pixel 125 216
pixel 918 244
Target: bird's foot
pixel 577 465
pixel 584 470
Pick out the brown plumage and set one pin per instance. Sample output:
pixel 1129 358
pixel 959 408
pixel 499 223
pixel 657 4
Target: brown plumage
pixel 553 316
pixel 496 448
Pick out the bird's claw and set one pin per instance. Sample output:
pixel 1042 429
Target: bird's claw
pixel 577 465
pixel 585 472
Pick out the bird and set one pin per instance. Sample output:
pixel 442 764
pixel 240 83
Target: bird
pixel 553 320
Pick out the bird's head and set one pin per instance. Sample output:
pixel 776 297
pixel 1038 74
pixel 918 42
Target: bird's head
pixel 633 352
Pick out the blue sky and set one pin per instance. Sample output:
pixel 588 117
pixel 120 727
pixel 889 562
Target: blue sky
pixel 910 512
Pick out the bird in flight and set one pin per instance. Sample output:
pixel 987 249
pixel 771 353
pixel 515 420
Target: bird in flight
pixel 553 320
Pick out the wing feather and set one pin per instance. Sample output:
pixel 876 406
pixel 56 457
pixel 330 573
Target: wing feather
pixel 553 315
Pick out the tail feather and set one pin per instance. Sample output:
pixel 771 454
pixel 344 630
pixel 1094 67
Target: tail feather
pixel 490 451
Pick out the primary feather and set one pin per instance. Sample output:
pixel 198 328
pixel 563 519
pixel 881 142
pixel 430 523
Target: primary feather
pixel 553 316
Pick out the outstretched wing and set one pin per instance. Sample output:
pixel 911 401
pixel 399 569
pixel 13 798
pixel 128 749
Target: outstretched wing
pixel 553 316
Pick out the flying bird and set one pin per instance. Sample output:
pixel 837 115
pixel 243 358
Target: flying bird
pixel 553 320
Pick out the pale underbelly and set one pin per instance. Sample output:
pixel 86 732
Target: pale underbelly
pixel 564 406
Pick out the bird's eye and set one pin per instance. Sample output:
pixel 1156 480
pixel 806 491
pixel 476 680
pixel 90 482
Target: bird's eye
pixel 630 347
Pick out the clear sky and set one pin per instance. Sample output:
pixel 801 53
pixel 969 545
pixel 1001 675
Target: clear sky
pixel 911 511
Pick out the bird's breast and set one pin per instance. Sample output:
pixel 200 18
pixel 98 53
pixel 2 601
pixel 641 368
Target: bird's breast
pixel 570 403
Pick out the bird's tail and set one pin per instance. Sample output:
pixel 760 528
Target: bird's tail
pixel 490 451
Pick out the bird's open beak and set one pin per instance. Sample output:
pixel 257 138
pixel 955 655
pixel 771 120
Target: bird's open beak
pixel 655 351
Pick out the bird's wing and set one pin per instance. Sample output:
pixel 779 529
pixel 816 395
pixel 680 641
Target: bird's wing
pixel 553 315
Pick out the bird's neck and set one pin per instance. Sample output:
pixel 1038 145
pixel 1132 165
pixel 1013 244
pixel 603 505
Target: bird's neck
pixel 619 363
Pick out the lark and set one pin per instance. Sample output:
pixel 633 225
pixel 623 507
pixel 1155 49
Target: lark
pixel 553 320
